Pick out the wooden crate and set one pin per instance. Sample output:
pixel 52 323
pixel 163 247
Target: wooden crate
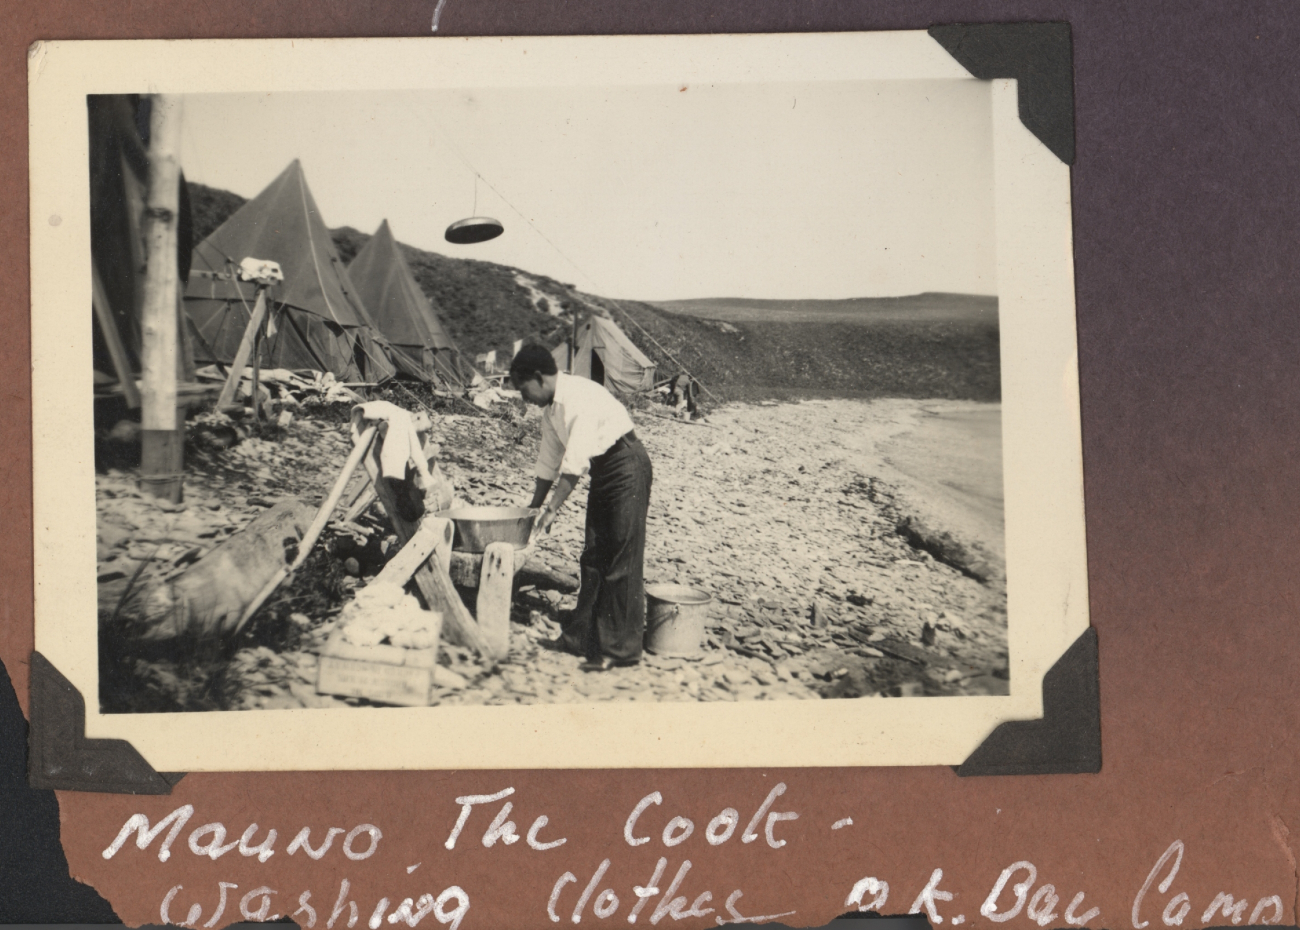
pixel 405 685
pixel 385 674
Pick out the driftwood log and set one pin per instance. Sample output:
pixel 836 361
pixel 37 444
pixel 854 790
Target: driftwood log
pixel 467 567
pixel 208 598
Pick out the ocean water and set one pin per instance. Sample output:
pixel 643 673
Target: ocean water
pixel 950 460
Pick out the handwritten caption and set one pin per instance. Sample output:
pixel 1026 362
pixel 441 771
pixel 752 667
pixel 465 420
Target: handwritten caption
pixel 1017 892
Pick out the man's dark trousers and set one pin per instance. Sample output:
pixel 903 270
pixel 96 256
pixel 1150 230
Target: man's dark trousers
pixel 609 620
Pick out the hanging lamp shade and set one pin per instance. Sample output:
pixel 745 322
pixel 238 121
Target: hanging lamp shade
pixel 474 229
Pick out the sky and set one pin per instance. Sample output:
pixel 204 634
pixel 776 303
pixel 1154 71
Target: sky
pixel 777 191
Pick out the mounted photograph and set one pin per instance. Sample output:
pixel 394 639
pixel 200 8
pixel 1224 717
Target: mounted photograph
pixel 442 404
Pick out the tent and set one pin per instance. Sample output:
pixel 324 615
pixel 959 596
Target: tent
pixel 422 347
pixel 317 322
pixel 605 354
pixel 119 172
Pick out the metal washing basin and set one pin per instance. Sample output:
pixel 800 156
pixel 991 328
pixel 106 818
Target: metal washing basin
pixel 478 527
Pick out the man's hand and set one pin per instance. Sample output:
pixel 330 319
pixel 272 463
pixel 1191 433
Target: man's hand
pixel 544 521
pixel 563 488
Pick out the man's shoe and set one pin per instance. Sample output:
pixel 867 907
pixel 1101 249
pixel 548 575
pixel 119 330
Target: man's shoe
pixel 563 643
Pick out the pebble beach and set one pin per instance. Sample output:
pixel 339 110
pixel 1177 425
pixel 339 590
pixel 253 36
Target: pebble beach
pixel 849 549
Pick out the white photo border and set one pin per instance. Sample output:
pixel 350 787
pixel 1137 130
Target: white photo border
pixel 1042 449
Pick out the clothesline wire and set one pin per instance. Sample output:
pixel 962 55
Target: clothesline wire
pixel 559 251
pixel 504 199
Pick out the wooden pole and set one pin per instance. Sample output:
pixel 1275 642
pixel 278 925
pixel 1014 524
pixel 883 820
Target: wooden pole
pixel 317 526
pixel 257 373
pixel 245 349
pixel 162 443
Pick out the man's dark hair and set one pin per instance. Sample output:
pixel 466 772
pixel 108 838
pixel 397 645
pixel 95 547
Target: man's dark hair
pixel 531 361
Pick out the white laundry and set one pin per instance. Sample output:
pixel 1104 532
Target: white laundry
pixel 398 444
pixel 261 271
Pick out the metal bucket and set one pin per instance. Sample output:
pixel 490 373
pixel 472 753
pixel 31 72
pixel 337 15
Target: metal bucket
pixel 674 623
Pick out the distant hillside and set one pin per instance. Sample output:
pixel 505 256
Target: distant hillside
pixel 930 307
pixel 925 345
pixel 953 354
pixel 483 304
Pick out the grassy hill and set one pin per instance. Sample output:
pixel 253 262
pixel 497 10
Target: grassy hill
pixel 928 307
pixel 209 208
pixel 925 345
pixel 483 304
pixel 783 349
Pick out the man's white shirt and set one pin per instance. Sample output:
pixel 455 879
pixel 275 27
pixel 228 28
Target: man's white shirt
pixel 582 421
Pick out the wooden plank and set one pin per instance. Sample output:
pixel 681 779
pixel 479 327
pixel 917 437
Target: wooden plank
pixel 244 350
pixel 405 685
pixel 495 587
pixel 443 552
pixel 255 388
pixel 434 584
pixel 539 576
pixel 458 625
pixel 418 548
pixel 361 503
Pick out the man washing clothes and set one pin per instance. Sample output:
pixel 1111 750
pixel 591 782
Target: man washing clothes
pixel 585 429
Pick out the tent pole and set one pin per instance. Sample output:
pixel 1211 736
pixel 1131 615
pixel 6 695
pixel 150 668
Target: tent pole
pixel 573 342
pixel 162 443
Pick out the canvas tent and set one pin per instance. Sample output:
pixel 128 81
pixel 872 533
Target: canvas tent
pixel 406 317
pixel 605 354
pixel 119 173
pixel 318 321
